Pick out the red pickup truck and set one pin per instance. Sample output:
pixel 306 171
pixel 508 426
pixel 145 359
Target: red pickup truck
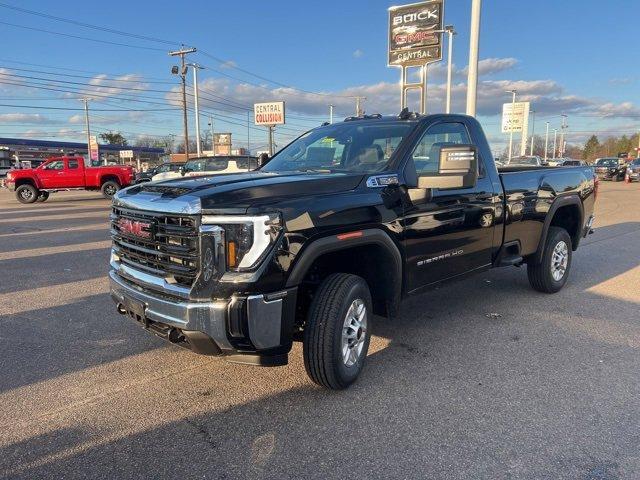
pixel 67 173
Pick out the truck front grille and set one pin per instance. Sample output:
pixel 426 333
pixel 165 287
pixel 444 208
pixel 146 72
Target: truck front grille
pixel 159 244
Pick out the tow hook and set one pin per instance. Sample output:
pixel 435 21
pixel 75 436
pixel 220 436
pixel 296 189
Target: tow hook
pixel 121 309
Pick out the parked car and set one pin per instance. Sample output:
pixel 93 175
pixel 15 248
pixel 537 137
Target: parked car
pixel 528 160
pixel 569 162
pixel 633 170
pixel 162 168
pixel 611 168
pixel 211 166
pixel 339 225
pixel 67 173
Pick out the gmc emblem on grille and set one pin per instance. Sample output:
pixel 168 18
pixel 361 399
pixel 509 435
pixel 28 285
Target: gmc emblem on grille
pixel 134 228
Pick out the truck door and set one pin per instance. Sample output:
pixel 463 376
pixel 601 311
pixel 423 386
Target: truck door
pixel 447 232
pixel 51 174
pixel 73 173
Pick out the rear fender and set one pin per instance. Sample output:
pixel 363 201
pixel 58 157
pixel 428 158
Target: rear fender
pixel 563 201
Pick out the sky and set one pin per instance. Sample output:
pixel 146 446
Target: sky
pixel 559 55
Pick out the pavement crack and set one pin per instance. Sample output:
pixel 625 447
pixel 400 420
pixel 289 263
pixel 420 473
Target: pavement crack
pixel 202 432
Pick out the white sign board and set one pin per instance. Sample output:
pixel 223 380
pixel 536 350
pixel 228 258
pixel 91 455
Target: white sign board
pixel 515 117
pixel 269 113
pixel 126 153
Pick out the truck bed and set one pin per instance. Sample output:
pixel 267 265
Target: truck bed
pixel 529 194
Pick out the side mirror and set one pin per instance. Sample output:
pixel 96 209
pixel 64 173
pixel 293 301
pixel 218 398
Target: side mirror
pixel 457 168
pixel 263 159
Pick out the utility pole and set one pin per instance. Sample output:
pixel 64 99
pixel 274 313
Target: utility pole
pixel 248 135
pixel 546 142
pixel 533 132
pixel 513 108
pixel 213 147
pixel 196 67
pixel 555 138
pixel 451 32
pixel 359 111
pixel 86 119
pixel 638 154
pixel 183 74
pixel 564 125
pixel 330 113
pixel 474 46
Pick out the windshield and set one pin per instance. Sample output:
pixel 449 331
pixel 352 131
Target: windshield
pixel 636 162
pixel 607 162
pixel 343 147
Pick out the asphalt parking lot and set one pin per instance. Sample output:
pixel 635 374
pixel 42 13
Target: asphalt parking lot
pixel 485 378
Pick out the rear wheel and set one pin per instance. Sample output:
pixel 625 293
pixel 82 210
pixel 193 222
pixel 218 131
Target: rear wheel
pixel 26 193
pixel 43 197
pixel 551 274
pixel 110 188
pixel 338 331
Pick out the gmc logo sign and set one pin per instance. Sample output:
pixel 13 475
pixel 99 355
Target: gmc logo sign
pixel 134 228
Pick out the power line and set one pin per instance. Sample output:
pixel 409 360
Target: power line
pixel 95 110
pixel 87 25
pixel 94 77
pixel 80 37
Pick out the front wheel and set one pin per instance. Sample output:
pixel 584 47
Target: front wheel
pixel 110 188
pixel 551 274
pixel 26 193
pixel 338 331
pixel 43 197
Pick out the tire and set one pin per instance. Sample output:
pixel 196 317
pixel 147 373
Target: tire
pixel 26 194
pixel 43 197
pixel 337 301
pixel 109 188
pixel 550 275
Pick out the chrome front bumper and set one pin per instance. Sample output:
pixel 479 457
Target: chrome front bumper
pixel 264 316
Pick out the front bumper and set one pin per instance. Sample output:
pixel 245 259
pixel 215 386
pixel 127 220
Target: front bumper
pixel 253 329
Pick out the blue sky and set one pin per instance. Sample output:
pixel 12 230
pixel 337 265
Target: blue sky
pixel 559 54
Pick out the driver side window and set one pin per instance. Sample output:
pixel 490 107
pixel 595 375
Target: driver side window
pixel 425 155
pixel 57 165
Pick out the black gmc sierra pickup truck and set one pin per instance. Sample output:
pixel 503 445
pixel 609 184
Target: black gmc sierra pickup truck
pixel 339 225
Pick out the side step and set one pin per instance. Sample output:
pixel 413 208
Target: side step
pixel 511 261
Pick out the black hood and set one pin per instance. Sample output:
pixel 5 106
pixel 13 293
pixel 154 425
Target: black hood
pixel 251 189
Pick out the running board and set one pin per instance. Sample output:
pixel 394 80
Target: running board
pixel 511 261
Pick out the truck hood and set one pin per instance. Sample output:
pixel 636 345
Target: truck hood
pixel 237 192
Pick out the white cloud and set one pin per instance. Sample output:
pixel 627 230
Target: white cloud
pixel 33 118
pixel 228 64
pixel 102 87
pixel 358 53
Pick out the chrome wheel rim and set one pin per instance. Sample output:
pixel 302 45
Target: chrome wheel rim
pixel 354 332
pixel 559 260
pixel 26 194
pixel 110 190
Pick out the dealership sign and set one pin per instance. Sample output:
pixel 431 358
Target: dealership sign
pixel 269 113
pixel 515 117
pixel 415 33
pixel 94 154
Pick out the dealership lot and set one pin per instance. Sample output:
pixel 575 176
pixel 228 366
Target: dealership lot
pixel 483 378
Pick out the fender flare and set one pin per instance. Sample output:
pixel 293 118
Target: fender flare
pixel 28 180
pixel 562 201
pixel 332 243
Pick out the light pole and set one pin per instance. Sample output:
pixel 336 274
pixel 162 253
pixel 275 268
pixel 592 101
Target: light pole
pixel 450 32
pixel 474 46
pixel 546 142
pixel 533 132
pixel 330 113
pixel 555 139
pixel 562 127
pixel 213 149
pixel 513 107
pixel 196 105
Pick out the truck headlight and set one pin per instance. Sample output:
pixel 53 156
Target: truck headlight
pixel 247 238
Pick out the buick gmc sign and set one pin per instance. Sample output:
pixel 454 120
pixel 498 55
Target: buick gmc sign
pixel 414 37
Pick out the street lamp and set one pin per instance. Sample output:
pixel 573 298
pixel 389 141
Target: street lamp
pixel 196 67
pixel 533 132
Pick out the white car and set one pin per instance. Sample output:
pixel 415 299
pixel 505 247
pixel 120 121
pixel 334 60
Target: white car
pixel 210 166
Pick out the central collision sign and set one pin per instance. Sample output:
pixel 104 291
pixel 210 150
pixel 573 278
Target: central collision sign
pixel 269 113
pixel 414 39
